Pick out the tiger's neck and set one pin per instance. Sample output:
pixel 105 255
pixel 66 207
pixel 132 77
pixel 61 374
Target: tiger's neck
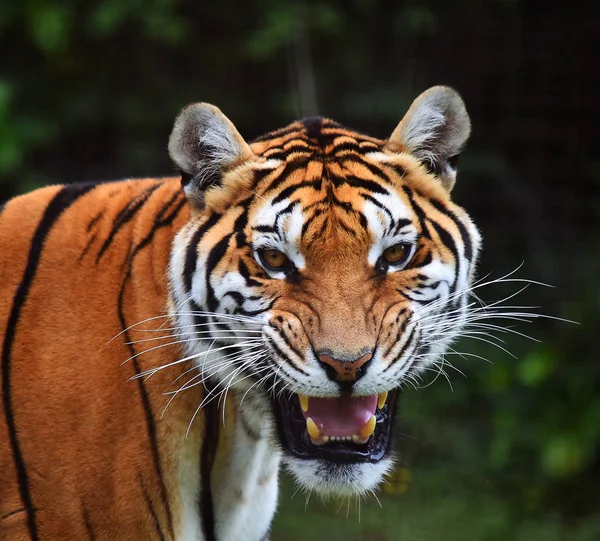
pixel 237 481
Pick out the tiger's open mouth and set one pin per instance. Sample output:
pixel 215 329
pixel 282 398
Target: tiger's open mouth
pixel 343 429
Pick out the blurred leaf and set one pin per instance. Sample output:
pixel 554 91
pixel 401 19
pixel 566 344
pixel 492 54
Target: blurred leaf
pixel 536 367
pixel 49 26
pixel 109 16
pixel 562 456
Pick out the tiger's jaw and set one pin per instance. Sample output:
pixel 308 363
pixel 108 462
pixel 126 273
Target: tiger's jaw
pixel 337 446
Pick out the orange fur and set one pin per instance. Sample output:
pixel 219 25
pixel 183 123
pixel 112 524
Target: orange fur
pixel 81 425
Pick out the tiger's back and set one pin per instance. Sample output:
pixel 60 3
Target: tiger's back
pixel 85 261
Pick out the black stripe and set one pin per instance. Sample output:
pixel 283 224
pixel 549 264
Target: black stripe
pixel 88 525
pixel 319 234
pixel 243 270
pixel 379 205
pixel 290 344
pixel 313 125
pixel 448 241
pixel 265 229
pixel 290 167
pixel 419 212
pixel 422 302
pixel 11 513
pixel 350 146
pixel 286 210
pixel 283 356
pixel 351 210
pixel 151 510
pixel 400 329
pixel 316 184
pixel 162 220
pixel 297 147
pixel 316 214
pixel 215 255
pixel 61 201
pixel 408 342
pixel 94 221
pixel 275 153
pixel 260 175
pixel 402 222
pixel 191 255
pixel 356 182
pixel 89 244
pixel 398 169
pixel 125 216
pixel 426 261
pixel 373 169
pixel 207 459
pixel 468 241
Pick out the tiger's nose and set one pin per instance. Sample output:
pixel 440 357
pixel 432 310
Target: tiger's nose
pixel 344 370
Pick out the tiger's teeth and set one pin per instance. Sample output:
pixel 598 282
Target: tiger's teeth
pixel 313 429
pixel 368 428
pixel 303 402
pixel 381 400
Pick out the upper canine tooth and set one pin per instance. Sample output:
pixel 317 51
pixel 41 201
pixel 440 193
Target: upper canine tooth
pixel 381 399
pixel 368 428
pixel 313 429
pixel 303 401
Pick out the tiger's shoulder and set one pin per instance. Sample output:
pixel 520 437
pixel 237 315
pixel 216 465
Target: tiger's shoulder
pixel 88 220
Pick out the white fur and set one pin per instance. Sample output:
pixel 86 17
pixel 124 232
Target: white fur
pixel 340 479
pixel 245 499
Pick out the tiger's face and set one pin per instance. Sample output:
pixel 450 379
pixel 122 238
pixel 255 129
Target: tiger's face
pixel 322 271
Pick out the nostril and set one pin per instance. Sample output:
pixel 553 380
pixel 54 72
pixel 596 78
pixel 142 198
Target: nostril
pixel 345 370
pixel 331 372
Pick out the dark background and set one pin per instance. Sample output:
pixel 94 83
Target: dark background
pixel 89 91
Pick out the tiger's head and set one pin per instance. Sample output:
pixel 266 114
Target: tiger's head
pixel 320 272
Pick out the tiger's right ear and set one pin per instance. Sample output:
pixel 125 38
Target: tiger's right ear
pixel 204 145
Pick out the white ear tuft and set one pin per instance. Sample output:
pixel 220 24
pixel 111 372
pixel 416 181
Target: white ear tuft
pixel 434 130
pixel 204 144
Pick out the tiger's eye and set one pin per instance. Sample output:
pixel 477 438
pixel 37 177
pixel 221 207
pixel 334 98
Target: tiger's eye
pixel 396 253
pixel 273 259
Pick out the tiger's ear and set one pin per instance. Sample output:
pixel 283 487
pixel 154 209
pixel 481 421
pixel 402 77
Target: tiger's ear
pixel 434 130
pixel 204 145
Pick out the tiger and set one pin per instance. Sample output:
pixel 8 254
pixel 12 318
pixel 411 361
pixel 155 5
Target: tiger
pixel 170 344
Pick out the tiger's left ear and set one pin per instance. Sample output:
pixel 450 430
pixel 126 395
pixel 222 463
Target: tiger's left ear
pixel 434 130
pixel 204 144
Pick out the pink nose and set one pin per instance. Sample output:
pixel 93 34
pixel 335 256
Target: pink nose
pixel 345 370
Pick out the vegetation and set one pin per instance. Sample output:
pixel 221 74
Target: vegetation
pixel 90 90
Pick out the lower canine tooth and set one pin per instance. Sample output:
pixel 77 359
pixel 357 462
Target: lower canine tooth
pixel 381 400
pixel 313 429
pixel 369 428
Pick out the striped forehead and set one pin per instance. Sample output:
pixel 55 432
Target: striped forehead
pixel 311 136
pixel 315 211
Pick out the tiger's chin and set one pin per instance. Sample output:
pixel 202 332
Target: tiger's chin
pixel 336 446
pixel 338 479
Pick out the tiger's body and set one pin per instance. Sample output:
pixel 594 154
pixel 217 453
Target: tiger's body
pixel 316 260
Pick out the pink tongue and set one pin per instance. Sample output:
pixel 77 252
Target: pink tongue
pixel 343 416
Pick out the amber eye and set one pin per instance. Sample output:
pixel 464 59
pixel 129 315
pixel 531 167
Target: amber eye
pixel 273 259
pixel 396 253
